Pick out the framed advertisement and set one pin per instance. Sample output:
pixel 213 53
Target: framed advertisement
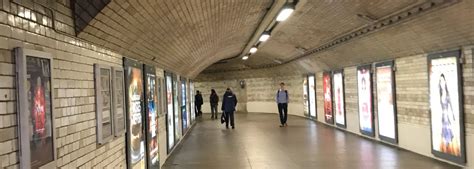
pixel 446 106
pixel 169 111
pixel 339 101
pixel 386 102
pixel 177 116
pixel 327 98
pixel 365 100
pixel 135 111
pixel 151 122
pixel 193 107
pixel 305 96
pixel 35 106
pixel 184 112
pixel 103 102
pixel 118 102
pixel 312 96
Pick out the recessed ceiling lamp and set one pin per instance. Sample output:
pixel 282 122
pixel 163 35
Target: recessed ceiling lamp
pixel 285 13
pixel 245 57
pixel 253 49
pixel 264 37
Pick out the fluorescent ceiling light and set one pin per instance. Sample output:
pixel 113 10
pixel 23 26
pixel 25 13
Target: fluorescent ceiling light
pixel 245 57
pixel 284 14
pixel 253 49
pixel 264 37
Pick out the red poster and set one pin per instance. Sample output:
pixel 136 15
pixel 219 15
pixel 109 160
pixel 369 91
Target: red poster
pixel 328 114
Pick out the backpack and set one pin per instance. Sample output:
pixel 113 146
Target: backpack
pixel 286 92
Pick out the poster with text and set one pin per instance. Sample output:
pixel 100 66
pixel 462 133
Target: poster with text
pixel 447 126
pixel 169 115
pixel 364 86
pixel 338 79
pixel 305 95
pixel 184 114
pixel 152 120
pixel 104 108
pixel 119 103
pixel 327 94
pixel 38 83
pixel 312 96
pixel 386 103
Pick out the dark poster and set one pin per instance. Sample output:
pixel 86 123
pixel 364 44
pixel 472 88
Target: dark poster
pixel 135 133
pixel 327 93
pixel 447 124
pixel 38 72
pixel 152 118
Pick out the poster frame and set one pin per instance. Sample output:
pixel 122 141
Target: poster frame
pixel 148 69
pixel 369 67
pixel 343 99
pixel 331 121
pixel 98 103
pixel 457 55
pixel 22 117
pixel 165 88
pixel 390 63
pixel 118 132
pixel 315 117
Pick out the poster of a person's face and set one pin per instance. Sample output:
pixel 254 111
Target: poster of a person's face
pixel 365 100
pixel 152 118
pixel 183 105
pixel 385 102
pixel 447 135
pixel 119 102
pixel 135 95
pixel 339 99
pixel 312 96
pixel 38 74
pixel 305 95
pixel 170 115
pixel 328 116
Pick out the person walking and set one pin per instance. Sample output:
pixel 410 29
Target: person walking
pixel 213 100
pixel 198 102
pixel 282 101
pixel 229 101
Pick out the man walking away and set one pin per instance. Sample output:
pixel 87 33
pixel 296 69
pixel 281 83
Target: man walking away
pixel 282 101
pixel 214 100
pixel 198 102
pixel 229 101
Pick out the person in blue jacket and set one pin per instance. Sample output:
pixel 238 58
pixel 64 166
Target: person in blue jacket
pixel 229 101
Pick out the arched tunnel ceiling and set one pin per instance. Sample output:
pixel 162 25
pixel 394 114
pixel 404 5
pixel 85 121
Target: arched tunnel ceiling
pixel 179 35
pixel 316 23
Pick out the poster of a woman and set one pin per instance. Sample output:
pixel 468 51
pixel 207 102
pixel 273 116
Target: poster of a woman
pixel 445 105
pixel 364 86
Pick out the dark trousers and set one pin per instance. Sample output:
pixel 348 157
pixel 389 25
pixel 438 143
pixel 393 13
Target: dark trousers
pixel 229 115
pixel 283 111
pixel 198 111
pixel 214 111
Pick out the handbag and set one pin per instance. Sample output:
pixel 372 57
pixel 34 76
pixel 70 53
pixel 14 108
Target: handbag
pixel 223 118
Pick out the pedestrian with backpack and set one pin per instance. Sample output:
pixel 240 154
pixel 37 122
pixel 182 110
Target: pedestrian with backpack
pixel 229 101
pixel 282 101
pixel 213 100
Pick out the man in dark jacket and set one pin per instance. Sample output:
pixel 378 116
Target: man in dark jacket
pixel 229 101
pixel 198 102
pixel 214 101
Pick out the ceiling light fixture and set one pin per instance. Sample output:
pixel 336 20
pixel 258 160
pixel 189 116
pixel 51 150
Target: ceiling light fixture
pixel 285 13
pixel 245 57
pixel 264 37
pixel 253 49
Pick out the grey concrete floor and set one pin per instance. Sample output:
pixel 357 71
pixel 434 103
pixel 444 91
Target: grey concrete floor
pixel 258 143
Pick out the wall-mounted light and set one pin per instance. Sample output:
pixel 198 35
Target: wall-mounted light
pixel 253 49
pixel 245 57
pixel 285 13
pixel 264 37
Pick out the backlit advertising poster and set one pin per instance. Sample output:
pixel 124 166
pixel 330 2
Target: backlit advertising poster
pixel 184 113
pixel 135 110
pixel 35 106
pixel 177 116
pixel 387 117
pixel 152 117
pixel 339 108
pixel 364 88
pixel 447 124
pixel 305 95
pixel 193 108
pixel 312 96
pixel 327 94
pixel 169 110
